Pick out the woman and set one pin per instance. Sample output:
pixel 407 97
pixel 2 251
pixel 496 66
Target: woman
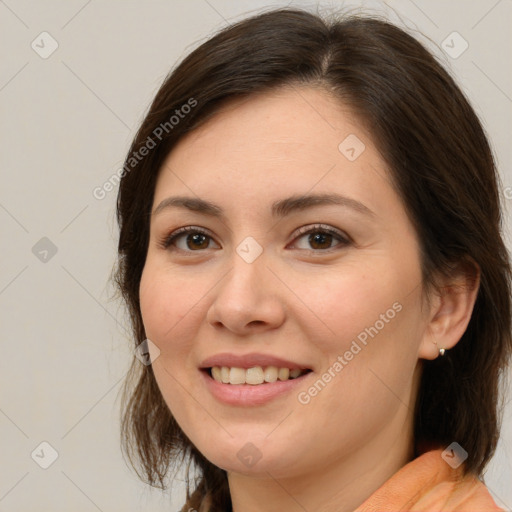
pixel 310 251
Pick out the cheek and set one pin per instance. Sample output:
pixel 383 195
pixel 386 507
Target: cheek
pixel 343 304
pixel 165 301
pixel 170 310
pixel 369 363
pixel 371 319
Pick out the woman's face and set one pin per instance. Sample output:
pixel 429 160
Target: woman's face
pixel 278 243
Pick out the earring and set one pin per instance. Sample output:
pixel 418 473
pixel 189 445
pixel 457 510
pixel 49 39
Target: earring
pixel 442 351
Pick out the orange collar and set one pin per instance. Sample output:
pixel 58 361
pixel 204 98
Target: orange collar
pixel 429 484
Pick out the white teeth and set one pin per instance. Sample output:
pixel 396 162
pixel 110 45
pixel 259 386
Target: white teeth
pixel 270 373
pixel 217 373
pixel 224 375
pixel 294 373
pixel 283 374
pixel 255 375
pixel 237 376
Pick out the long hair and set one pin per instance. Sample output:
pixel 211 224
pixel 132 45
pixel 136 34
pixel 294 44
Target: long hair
pixel 441 165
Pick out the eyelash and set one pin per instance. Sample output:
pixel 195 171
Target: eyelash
pixel 168 240
pixel 342 238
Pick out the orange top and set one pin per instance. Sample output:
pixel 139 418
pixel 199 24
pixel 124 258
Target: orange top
pixel 429 484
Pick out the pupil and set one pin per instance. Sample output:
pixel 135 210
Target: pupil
pixel 320 240
pixel 197 241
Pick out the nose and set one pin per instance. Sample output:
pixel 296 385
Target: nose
pixel 247 300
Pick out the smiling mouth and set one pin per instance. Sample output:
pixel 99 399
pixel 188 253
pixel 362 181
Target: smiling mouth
pixel 254 376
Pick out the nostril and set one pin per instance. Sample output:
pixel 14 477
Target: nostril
pixel 256 323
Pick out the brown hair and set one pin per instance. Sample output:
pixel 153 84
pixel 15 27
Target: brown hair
pixel 440 162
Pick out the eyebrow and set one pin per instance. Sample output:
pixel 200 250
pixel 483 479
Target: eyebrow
pixel 280 208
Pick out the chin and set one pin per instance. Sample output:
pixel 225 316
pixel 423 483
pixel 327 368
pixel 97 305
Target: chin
pixel 251 455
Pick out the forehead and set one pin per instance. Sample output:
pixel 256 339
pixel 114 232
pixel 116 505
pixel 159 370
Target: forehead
pixel 286 141
pixel 288 123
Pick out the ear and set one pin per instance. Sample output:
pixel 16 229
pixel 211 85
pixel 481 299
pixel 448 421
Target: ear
pixel 450 309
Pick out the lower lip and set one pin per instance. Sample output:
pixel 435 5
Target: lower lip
pixel 249 394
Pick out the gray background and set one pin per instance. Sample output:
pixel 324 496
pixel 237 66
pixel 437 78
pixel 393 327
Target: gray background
pixel 66 124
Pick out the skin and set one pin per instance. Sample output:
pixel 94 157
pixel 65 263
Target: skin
pixel 296 301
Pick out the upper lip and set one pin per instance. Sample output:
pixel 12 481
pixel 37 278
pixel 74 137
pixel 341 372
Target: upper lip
pixel 249 361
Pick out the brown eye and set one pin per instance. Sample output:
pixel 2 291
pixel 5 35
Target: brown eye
pixel 197 241
pixel 320 240
pixel 190 239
